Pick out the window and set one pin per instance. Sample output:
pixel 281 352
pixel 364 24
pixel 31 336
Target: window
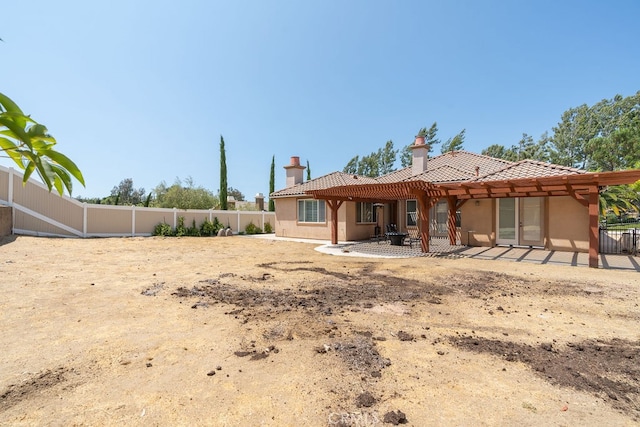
pixel 311 211
pixel 365 212
pixel 412 213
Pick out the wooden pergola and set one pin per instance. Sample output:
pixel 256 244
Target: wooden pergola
pixel 585 188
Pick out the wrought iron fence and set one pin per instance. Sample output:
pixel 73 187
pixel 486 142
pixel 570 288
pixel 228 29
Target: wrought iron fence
pixel 619 240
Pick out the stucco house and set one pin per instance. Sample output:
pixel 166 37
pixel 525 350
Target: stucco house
pixel 472 199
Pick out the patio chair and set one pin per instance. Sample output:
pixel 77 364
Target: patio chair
pixel 413 236
pixel 413 233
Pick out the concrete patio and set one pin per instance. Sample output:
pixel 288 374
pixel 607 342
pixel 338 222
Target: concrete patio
pixel 440 247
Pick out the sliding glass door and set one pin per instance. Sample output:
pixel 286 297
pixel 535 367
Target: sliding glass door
pixel 520 221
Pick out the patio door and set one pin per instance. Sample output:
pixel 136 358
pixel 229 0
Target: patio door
pixel 519 221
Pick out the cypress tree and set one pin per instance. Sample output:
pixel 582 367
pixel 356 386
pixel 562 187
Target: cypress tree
pixel 272 184
pixel 308 171
pixel 223 176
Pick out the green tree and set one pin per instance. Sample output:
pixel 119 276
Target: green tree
pixel 525 149
pixel 369 165
pixel 308 171
pixel 126 194
pixel 619 150
pixel 618 199
pixel 377 163
pixel 455 143
pixel 570 136
pixel 183 196
pixel 89 200
pixel 30 146
pixel 223 176
pixel 386 158
pixel 430 138
pixel 495 150
pixel 272 184
pixel 352 166
pixel 237 194
pixel 585 133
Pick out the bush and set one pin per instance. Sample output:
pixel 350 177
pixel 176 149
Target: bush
pixel 162 229
pixel 180 228
pixel 268 228
pixel 251 228
pixel 207 228
pixel 193 230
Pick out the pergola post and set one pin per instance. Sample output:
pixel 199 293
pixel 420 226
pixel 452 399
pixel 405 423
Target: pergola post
pixel 594 231
pixel 423 219
pixel 452 202
pixel 334 205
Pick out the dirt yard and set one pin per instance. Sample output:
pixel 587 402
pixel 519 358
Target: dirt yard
pixel 245 332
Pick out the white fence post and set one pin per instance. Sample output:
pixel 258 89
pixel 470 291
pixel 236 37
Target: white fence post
pixel 175 218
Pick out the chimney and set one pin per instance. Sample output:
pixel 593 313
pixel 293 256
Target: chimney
pixel 420 156
pixel 477 170
pixel 260 201
pixel 294 172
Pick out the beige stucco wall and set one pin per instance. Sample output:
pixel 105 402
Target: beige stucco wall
pixel 287 225
pixel 478 223
pixel 568 225
pixel 5 221
pixel 359 231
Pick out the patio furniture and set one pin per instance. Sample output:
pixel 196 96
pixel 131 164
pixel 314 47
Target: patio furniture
pixel 414 232
pixel 396 238
pixel 377 234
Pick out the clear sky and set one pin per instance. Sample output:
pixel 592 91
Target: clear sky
pixel 143 89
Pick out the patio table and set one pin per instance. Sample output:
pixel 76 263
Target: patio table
pixel 396 238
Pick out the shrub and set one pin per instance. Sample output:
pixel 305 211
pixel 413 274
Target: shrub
pixel 193 230
pixel 180 228
pixel 251 228
pixel 268 228
pixel 207 228
pixel 162 229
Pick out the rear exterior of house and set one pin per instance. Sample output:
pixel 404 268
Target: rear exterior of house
pixel 555 223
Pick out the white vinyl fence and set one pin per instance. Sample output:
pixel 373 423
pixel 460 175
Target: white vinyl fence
pixel 38 212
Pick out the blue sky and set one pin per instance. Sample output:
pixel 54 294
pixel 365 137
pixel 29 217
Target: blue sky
pixel 143 89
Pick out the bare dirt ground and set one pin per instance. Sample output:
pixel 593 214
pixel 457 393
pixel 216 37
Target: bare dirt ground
pixel 244 332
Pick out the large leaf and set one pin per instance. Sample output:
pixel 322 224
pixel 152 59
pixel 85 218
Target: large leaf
pixel 30 146
pixel 66 163
pixel 62 178
pixel 12 108
pixel 17 130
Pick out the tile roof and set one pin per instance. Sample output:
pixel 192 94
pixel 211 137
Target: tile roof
pixel 399 175
pixel 467 161
pixel 529 169
pixel 444 173
pixel 334 179
pixel 455 166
